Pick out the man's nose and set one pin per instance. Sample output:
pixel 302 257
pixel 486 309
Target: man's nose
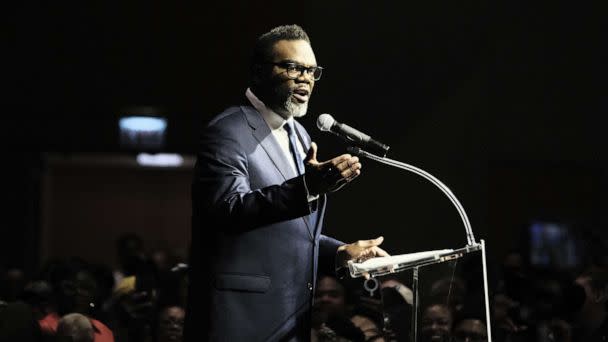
pixel 305 77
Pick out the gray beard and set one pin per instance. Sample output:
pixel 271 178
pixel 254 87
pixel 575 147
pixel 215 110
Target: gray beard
pixel 287 108
pixel 297 110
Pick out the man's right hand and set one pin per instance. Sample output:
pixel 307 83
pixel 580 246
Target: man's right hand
pixel 331 175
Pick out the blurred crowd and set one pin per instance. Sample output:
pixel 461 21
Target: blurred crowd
pixel 529 301
pixel 144 299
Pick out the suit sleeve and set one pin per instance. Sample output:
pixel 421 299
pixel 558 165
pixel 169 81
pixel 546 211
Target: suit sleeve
pixel 328 247
pixel 222 192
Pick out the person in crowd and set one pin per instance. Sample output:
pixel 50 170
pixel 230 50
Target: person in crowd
pixel 75 291
pixel 135 301
pixel 171 324
pixel 470 329
pixel 397 301
pixel 330 299
pixel 334 302
pixel 452 289
pixel 338 329
pixel 130 253
pixel 39 296
pixel 591 321
pixel 369 321
pixel 75 327
pixel 436 323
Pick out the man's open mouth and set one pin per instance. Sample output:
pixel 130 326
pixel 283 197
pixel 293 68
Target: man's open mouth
pixel 301 95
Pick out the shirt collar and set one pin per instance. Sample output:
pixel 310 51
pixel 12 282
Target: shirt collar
pixel 273 120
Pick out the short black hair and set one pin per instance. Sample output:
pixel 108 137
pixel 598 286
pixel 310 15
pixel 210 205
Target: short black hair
pixel 262 51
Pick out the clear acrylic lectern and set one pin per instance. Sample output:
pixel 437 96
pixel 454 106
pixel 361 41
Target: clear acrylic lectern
pixel 427 291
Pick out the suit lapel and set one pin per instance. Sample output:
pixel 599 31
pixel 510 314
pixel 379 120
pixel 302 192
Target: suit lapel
pixel 264 136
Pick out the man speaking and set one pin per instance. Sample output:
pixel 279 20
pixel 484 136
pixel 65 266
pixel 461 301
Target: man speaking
pixel 258 197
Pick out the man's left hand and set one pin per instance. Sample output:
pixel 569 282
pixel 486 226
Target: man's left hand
pixel 361 250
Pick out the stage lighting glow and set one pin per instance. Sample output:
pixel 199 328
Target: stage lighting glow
pixel 143 124
pixel 143 132
pixel 160 159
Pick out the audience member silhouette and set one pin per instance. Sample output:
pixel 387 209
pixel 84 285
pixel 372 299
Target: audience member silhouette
pixel 592 318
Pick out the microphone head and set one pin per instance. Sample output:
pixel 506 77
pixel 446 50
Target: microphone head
pixel 324 122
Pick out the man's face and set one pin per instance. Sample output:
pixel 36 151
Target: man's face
pixel 285 96
pixel 329 297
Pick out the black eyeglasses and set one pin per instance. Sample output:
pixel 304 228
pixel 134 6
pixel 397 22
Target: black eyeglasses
pixel 295 70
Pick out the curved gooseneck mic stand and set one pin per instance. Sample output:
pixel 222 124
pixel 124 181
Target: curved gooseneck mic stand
pixel 427 258
pixel 429 177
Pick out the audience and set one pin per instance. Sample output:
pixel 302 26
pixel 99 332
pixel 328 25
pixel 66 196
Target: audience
pixel 143 300
pixel 75 291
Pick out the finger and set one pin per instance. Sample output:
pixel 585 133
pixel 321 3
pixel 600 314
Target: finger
pixel 347 174
pixel 352 176
pixel 340 159
pixel 354 170
pixel 311 155
pixel 342 166
pixel 380 252
pixel 370 243
pixel 348 163
pixel 349 171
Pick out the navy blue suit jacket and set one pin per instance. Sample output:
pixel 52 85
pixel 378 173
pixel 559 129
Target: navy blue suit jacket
pixel 256 240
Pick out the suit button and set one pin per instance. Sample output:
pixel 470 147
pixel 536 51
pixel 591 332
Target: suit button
pixel 309 286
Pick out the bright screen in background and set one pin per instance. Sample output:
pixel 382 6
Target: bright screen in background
pixel 552 245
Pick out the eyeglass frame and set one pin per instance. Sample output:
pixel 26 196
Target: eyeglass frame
pixel 299 68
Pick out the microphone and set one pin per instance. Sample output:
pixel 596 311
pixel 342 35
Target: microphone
pixel 327 123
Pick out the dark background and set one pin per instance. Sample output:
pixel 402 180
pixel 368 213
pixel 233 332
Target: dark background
pixel 502 101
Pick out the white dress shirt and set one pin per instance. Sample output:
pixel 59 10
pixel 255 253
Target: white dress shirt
pixel 276 124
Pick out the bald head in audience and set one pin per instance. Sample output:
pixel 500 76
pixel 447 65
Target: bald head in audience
pixel 77 327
